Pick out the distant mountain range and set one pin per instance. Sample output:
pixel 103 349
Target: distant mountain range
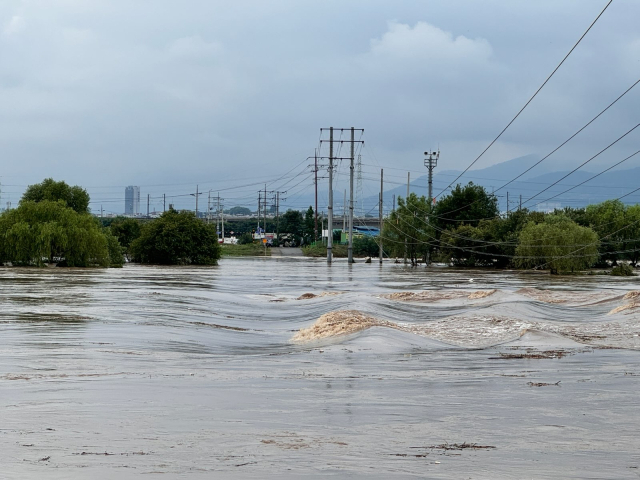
pixel 609 185
pixel 529 188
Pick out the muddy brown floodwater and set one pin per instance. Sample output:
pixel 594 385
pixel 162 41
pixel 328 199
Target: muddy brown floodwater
pixel 284 367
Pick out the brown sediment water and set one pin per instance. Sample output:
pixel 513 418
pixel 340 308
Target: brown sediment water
pixel 478 330
pixel 342 322
pixel 567 296
pixel 437 295
pixel 189 371
pixel 481 294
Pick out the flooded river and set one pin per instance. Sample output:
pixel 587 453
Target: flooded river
pixel 409 373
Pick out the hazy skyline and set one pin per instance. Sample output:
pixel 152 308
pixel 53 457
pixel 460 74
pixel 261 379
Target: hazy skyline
pixel 167 95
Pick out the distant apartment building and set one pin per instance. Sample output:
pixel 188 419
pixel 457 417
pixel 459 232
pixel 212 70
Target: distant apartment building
pixel 132 200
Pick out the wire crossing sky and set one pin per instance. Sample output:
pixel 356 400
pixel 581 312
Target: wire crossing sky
pixel 231 95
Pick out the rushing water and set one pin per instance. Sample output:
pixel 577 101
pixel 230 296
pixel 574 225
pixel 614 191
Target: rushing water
pixel 191 373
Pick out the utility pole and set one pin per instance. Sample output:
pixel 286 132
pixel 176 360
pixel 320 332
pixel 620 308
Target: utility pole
pixel 344 213
pixel 265 213
pixel 507 203
pixel 220 217
pixel 431 162
pixel 197 194
pixel 381 253
pixel 100 212
pixel 277 199
pixel 520 207
pixel 393 205
pixel 330 206
pixel 406 200
pixel 259 207
pixel 351 171
pixel 315 226
pixel 147 205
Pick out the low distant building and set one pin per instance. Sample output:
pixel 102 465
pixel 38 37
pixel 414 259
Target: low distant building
pixel 548 207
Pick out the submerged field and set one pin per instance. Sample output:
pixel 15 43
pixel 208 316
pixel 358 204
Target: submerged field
pixel 284 367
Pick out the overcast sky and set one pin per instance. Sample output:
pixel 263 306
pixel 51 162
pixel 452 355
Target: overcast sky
pixel 170 94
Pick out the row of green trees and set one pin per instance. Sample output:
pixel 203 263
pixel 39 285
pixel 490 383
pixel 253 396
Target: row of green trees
pixel 53 224
pixel 465 228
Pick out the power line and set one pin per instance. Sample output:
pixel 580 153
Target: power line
pixel 528 101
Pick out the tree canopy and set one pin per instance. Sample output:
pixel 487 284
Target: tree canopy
pixel 557 243
pixel 126 230
pixel 177 238
pixel 408 225
pixel 74 197
pixel 239 211
pixel 48 231
pixel 469 204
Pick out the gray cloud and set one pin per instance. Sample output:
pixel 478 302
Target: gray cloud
pixel 108 93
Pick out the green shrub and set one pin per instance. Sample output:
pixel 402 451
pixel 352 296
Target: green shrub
pixel 177 238
pixel 622 270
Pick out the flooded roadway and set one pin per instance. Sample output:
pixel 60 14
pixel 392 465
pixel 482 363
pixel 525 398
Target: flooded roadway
pixel 192 373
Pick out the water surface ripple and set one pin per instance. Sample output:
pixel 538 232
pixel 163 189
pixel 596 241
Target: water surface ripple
pixel 188 372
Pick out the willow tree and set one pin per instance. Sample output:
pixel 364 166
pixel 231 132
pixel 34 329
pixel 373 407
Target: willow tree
pixel 48 231
pixel 74 197
pixel 557 243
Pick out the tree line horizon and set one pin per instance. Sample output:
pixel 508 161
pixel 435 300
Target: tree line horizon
pixel 53 224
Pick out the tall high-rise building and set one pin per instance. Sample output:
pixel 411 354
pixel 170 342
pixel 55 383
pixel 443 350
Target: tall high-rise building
pixel 132 200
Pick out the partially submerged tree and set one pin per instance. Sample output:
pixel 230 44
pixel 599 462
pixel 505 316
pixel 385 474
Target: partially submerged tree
pixel 126 230
pixel 558 243
pixel 408 225
pixel 48 231
pixel 177 238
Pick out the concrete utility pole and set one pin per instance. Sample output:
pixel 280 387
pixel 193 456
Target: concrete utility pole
pixel 507 202
pixel 197 194
pixel 330 206
pixel 259 207
pixel 381 253
pixel 351 171
pixel 520 206
pixel 315 225
pixel 265 211
pixel 221 216
pixel 344 213
pixel 431 162
pixel 147 205
pixel 405 202
pixel 164 200
pixel 277 199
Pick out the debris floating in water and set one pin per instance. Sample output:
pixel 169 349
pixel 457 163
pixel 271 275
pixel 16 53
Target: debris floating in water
pixel 307 296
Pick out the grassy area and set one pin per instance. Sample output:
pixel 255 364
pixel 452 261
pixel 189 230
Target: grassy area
pixel 339 251
pixel 250 250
